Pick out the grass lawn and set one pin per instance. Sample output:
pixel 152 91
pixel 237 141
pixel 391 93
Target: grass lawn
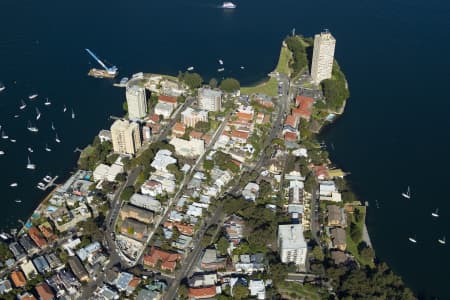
pixel 352 246
pixel 300 291
pixel 283 61
pixel 269 88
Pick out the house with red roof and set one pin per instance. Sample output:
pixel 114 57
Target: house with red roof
pixel 195 135
pixel 202 292
pixel 291 121
pixel 290 136
pixel 37 237
pixel 168 260
pixel 304 109
pixel 321 172
pixel 154 118
pixel 168 99
pixel 18 278
pixel 240 136
pixel 185 229
pixel 178 129
pixel 44 291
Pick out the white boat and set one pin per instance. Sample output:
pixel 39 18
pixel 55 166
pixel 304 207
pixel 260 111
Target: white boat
pixel 442 241
pixel 16 116
pixel 190 68
pixel 14 184
pixel 228 5
pixel 4 136
pixel 47 148
pixel 407 195
pixel 242 68
pixel 18 201
pixel 435 213
pixel 73 114
pixel 4 236
pixel 53 127
pixel 57 139
pixel 220 62
pixel 22 105
pixel 220 70
pixel 12 140
pixel 30 166
pixel 38 114
pixel 2 152
pixel 32 128
pixel 30 150
pixel 412 240
pixel 40 185
pixel 47 178
pixel 64 109
pixel 2 87
pixel 32 96
pixel 47 102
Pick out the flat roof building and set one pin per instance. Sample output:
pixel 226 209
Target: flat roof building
pixel 126 137
pixel 291 244
pixel 136 101
pixel 210 100
pixel 323 57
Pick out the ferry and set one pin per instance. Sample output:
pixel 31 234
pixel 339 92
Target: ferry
pixel 33 96
pixel 14 184
pixel 228 5
pixel 22 105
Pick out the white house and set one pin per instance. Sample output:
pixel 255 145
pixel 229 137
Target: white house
pixel 164 109
pixel 250 191
pixel 152 188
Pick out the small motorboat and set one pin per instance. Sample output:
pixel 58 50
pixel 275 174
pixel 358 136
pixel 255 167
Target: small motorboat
pixel 32 128
pixel 220 62
pixel 30 166
pixel 242 67
pixel 412 240
pixel 18 201
pixel 407 194
pixel 47 148
pixel 57 139
pixel 53 127
pixel 22 105
pixel 73 114
pixel 47 102
pixel 14 184
pixel 220 69
pixel 33 96
pixel 4 135
pixel 16 116
pixel 435 214
pixel 442 241
pixel 190 68
pixel 30 150
pixel 38 114
pixel 2 87
pixel 64 109
pixel 13 140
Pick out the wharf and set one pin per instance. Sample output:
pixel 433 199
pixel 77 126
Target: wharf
pixel 49 184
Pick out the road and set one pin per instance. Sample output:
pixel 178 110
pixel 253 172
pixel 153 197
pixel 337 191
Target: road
pixel 162 136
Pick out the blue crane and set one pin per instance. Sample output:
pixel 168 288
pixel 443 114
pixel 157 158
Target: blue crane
pixel 111 70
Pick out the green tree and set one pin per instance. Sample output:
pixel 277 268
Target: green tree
pixel 127 193
pixel 173 168
pixel 5 253
pixel 230 85
pixel 355 232
pixel 208 164
pixel 121 177
pixel 125 106
pixel 299 57
pixel 318 253
pixel 222 245
pixel 213 83
pixel 240 291
pixel 366 252
pixel 203 126
pixel 183 291
pixel 193 80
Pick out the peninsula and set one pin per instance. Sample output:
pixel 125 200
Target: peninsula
pixel 208 191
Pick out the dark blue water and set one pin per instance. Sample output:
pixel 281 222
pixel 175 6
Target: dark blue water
pixel 393 134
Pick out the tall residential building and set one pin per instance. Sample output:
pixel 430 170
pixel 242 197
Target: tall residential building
pixel 125 137
pixel 291 244
pixel 323 57
pixel 136 101
pixel 190 117
pixel 210 100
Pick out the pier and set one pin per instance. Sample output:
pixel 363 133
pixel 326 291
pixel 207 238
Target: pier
pixel 48 184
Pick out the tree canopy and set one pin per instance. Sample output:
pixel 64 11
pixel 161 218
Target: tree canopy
pixel 300 59
pixel 230 85
pixel 193 80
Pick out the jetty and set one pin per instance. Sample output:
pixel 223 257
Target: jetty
pixel 48 184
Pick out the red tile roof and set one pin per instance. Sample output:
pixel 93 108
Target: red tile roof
pixel 167 99
pixel 134 282
pixel 168 259
pixel 18 278
pixel 44 291
pixel 244 116
pixel 290 136
pixel 179 129
pixel 154 118
pixel 47 231
pixel 196 134
pixel 36 236
pixel 207 138
pixel 321 171
pixel 303 99
pixel 201 293
pixel 26 296
pixel 304 106
pixel 291 121
pixel 182 228
pixel 240 134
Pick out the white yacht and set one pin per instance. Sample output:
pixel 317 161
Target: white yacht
pixel 442 240
pixel 435 214
pixel 22 105
pixel 38 114
pixel 2 152
pixel 47 148
pixel 190 68
pixel 12 140
pixel 30 150
pixel 412 240
pixel 18 201
pixel 73 114
pixel 4 136
pixel 47 178
pixel 2 87
pixel 64 109
pixel 407 194
pixel 242 67
pixel 30 166
pixel 32 128
pixel 220 70
pixel 40 185
pixel 57 139
pixel 47 102
pixel 228 5
pixel 32 96
pixel 53 127
pixel 14 184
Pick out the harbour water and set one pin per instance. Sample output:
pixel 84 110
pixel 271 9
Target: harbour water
pixel 393 133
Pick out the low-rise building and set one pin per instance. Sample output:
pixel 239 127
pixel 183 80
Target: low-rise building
pixel 164 109
pixel 210 260
pixel 133 228
pixel 78 269
pixel 291 244
pixel 162 159
pixel 168 100
pixel 37 237
pixel 26 296
pixel 168 260
pixel 27 243
pixel 17 251
pixel 202 292
pixel 336 216
pixel 234 229
pixel 18 278
pixel 131 211
pixel 146 202
pixel 338 237
pixel 41 264
pixel 44 291
pixel 191 148
pixel 250 192
pixel 152 188
pixel 28 269
pixel 108 173
pixel 257 289
pixel 190 117
pixel 178 129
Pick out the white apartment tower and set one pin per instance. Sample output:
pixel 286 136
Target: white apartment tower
pixel 136 101
pixel 125 137
pixel 210 100
pixel 323 57
pixel 291 244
